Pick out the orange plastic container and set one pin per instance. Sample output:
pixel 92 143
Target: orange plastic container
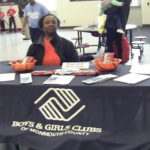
pixel 18 66
pixel 112 65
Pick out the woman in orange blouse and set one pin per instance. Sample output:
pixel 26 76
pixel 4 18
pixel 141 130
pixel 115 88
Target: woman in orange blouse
pixel 51 49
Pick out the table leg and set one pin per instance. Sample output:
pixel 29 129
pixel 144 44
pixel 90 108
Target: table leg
pixel 130 32
pixel 78 37
pixel 99 43
pixel 131 39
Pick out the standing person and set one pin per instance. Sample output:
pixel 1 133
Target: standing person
pixel 21 6
pixel 51 49
pixel 112 35
pixel 2 21
pixel 11 12
pixel 32 13
pixel 106 4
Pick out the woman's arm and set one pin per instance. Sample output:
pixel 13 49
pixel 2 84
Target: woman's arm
pixel 36 51
pixel 69 51
pixel 72 54
pixel 30 51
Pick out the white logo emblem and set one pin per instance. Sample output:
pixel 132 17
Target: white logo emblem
pixel 63 101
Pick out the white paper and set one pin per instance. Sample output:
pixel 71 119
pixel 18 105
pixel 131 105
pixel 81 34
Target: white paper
pixel 65 71
pixel 59 79
pixel 132 78
pixel 140 69
pixel 25 78
pixel 7 77
pixel 100 78
pixel 76 65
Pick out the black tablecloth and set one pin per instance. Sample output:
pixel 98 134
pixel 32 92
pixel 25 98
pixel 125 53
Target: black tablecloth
pixel 102 116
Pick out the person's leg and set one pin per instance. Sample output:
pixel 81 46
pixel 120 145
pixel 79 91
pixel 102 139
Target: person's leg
pixel 14 23
pixel 110 36
pixel 35 33
pixel 117 20
pixel 21 19
pixel 3 26
pixel 26 32
pixel 118 41
pixel 31 34
pixel 118 23
pixel 10 24
pixel 0 25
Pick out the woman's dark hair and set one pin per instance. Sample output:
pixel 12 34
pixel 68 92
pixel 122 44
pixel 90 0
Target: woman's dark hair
pixel 40 23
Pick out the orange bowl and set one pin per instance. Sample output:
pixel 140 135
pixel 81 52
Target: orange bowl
pixel 18 66
pixel 112 65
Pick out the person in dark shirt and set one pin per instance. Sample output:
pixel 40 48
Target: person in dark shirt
pixel 51 49
pixel 106 4
pixel 111 35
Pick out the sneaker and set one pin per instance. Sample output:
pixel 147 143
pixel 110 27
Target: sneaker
pixel 120 31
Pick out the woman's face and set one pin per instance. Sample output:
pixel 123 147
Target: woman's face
pixel 50 25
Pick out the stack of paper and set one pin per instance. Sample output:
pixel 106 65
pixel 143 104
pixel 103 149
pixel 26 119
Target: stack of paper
pixel 132 78
pixel 140 69
pixel 57 79
pixel 7 77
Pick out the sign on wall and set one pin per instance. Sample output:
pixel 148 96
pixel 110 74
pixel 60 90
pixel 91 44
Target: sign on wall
pixel 7 2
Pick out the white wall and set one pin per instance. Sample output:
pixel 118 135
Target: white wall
pixel 135 16
pixel 136 3
pixel 77 13
pixel 49 4
pixel 86 12
pixel 145 12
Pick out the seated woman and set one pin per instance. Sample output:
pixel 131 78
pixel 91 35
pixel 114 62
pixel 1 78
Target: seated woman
pixel 51 49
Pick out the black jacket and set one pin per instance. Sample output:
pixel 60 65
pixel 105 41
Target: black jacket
pixel 63 48
pixel 122 11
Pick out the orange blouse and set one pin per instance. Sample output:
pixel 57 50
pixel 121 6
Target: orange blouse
pixel 51 58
